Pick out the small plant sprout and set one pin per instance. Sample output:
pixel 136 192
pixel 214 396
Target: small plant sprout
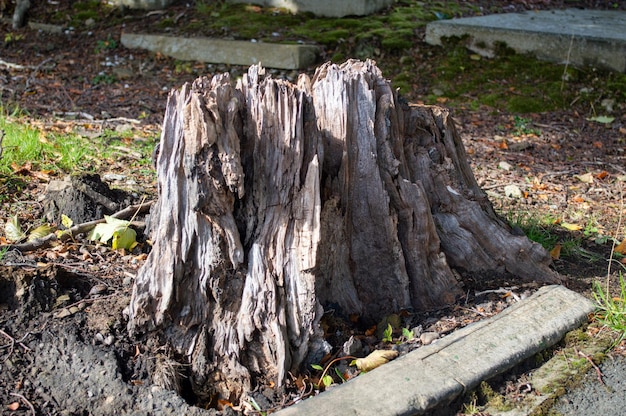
pixel 408 334
pixel 388 334
pixel 326 379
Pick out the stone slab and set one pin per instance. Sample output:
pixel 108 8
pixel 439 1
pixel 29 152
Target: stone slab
pixel 142 4
pixel 327 8
pixel 231 52
pixel 574 36
pixel 438 373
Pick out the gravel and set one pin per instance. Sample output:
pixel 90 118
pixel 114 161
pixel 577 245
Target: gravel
pixel 594 398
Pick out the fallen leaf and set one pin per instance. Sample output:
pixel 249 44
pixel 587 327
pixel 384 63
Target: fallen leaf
pixel 40 232
pixel 571 227
pixel 222 404
pixel 597 145
pixel 621 247
pixel 66 221
pixel 13 230
pixel 125 238
pixel 375 359
pixel 13 406
pixel 602 174
pixel 602 119
pixel 586 178
pixel 114 229
pixel 555 253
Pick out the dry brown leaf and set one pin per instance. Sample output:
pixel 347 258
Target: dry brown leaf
pixel 555 253
pixel 222 404
pixel 621 247
pixel 375 359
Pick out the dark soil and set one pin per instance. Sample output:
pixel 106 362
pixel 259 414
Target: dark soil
pixel 64 348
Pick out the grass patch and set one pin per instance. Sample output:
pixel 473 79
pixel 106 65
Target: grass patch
pixel 612 309
pixel 29 149
pixel 545 231
pixel 27 146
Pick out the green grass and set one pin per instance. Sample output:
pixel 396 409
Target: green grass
pixel 25 145
pixel 611 310
pixel 543 230
pixel 33 149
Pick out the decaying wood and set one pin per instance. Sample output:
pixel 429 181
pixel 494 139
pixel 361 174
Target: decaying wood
pixel 277 200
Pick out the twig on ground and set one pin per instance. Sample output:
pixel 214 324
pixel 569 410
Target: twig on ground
pixel 598 372
pixel 46 241
pixel 13 342
pixel 29 404
pixel 35 70
pixel 11 65
pixel 474 310
pixel 112 295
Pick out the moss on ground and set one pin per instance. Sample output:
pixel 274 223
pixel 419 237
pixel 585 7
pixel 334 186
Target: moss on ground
pixel 512 82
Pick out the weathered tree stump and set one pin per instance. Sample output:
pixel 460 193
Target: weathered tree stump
pixel 277 199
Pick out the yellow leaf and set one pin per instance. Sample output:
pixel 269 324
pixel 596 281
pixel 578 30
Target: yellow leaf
pixel 375 359
pixel 571 227
pixel 40 232
pixel 125 238
pixel 66 221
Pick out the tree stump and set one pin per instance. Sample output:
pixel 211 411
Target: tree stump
pixel 276 200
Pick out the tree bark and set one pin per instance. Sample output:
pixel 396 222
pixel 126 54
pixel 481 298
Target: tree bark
pixel 277 200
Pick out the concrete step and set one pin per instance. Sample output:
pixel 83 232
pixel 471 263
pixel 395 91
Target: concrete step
pixel 440 372
pixel 574 36
pixel 232 52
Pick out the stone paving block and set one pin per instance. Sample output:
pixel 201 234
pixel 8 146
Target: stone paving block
pixel 574 36
pixel 232 52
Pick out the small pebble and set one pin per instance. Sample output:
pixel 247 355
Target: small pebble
pixel 512 191
pixel 98 338
pixel 505 166
pixel 63 313
pixel 98 289
pixel 428 337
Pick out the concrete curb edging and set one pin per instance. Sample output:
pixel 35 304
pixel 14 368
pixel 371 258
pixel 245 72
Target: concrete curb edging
pixel 232 52
pixel 438 373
